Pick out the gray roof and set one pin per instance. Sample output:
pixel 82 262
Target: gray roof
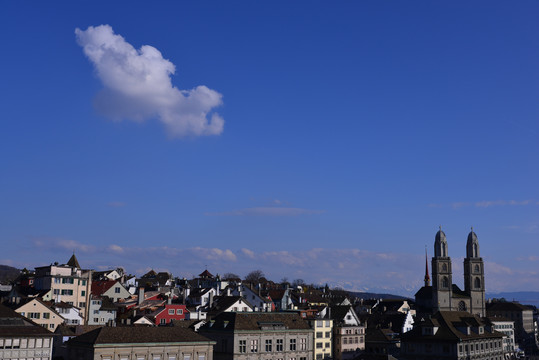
pixel 256 321
pixel 134 335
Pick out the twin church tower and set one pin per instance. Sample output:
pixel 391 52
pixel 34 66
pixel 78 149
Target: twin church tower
pixel 443 295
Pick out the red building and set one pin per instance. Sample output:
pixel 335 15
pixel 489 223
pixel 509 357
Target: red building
pixel 164 315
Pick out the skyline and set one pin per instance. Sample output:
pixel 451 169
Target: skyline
pixel 308 140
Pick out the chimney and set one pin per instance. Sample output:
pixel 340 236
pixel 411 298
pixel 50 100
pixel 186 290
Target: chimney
pixel 169 301
pixel 211 299
pixel 140 295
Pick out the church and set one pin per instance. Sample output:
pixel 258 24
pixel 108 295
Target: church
pixel 443 295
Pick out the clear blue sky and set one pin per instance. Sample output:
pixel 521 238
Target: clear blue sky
pixel 352 130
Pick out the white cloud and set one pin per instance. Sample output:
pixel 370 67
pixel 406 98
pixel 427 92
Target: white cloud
pixel 268 211
pixel 62 244
pixel 138 86
pixel 116 248
pixel 248 253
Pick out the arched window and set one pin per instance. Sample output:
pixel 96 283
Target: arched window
pixel 444 267
pixel 475 252
pixel 445 282
pixel 462 306
pixel 477 283
pixel 476 268
pixel 444 250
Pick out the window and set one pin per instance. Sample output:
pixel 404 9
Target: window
pixel 96 311
pixel 327 323
pixel 117 290
pixel 319 334
pixel 319 345
pixel 477 283
pixel 162 321
pixel 188 356
pixel 319 323
pixel 327 345
pixel 56 291
pixel 179 311
pixel 83 293
pixel 84 282
pixel 67 281
pixel 280 346
pixel 57 280
pixel 445 282
pixel 243 346
pixel 303 344
pixel 82 304
pixel 96 320
pixel 293 344
pixel 328 334
pixel 319 356
pixel 34 315
pixel 171 311
pixel 201 356
pixel 345 340
pixel 268 345
pixel 67 292
pixel 46 315
pixel 51 326
pixel 254 346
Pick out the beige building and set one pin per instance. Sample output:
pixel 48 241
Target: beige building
pixel 67 282
pixel 140 343
pixel 260 336
pixel 41 314
pixel 22 339
pixel 348 332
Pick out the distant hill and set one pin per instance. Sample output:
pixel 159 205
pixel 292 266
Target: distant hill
pixel 523 297
pixel 8 273
pixel 367 295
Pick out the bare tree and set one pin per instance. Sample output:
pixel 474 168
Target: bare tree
pixel 230 276
pixel 254 276
pixel 298 282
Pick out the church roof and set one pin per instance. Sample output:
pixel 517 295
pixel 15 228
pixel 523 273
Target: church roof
pixel 424 293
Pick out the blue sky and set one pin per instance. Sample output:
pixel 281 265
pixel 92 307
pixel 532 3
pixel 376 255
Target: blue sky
pixel 314 140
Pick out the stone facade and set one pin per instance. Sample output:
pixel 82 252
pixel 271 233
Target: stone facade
pixel 140 343
pixel 443 295
pixel 22 339
pixel 453 335
pixel 264 336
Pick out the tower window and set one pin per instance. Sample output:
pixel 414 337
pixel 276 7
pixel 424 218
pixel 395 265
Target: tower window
pixel 476 268
pixel 477 283
pixel 462 306
pixel 445 282
pixel 444 267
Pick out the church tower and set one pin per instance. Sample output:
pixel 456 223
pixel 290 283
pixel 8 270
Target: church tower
pixel 442 280
pixel 474 276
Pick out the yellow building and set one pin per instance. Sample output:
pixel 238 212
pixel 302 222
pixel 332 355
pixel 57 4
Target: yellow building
pixel 41 314
pixel 323 330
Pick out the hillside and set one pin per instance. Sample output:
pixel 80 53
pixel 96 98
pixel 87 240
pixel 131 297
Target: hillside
pixel 8 273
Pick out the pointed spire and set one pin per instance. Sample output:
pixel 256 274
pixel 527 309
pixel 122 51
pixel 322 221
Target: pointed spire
pixel 73 262
pixel 427 277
